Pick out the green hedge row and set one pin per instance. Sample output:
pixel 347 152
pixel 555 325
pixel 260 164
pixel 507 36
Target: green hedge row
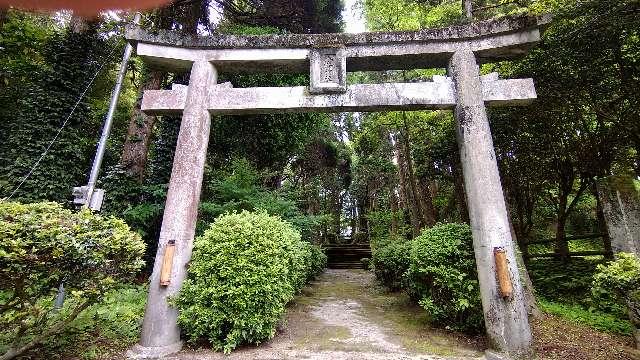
pixel 244 270
pixel 437 269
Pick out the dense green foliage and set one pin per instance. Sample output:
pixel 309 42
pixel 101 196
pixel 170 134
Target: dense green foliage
pixel 239 186
pixel 43 245
pixel 44 70
pixel 390 263
pixel 245 268
pixel 442 276
pixel 570 282
pixel 616 286
pixel 437 269
pixel 102 329
pixel 315 260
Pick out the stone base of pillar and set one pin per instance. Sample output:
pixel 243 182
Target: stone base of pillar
pixel 153 352
pixel 492 355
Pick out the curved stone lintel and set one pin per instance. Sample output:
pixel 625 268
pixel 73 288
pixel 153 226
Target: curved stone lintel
pixel 281 41
pixel 490 40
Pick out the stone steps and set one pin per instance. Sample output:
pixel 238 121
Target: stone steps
pixel 347 256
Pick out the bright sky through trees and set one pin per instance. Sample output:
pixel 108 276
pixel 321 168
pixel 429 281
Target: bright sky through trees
pixel 353 17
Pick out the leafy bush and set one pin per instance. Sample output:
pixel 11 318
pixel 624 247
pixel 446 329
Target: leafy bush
pixel 43 245
pixel 241 187
pixel 391 262
pixel 244 270
pixel 615 284
pixel 442 276
pixel 102 330
pixel 315 259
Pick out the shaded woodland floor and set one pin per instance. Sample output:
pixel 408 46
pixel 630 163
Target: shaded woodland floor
pixel 345 315
pixel 558 338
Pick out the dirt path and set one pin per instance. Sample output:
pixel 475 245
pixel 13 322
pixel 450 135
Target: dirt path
pixel 344 315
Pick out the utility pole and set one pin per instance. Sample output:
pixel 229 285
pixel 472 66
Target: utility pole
pixel 88 196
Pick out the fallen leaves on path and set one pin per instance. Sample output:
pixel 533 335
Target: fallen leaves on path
pixel 558 338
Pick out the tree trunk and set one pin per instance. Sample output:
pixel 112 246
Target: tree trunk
pixel 428 209
pixel 362 204
pixel 394 212
pixel 467 9
pixel 565 208
pixel 140 131
pixel 3 15
pixel 78 24
pixel 419 188
pixel 459 193
pixel 336 202
pixel 434 188
pixel 636 168
pixel 602 223
pixel 406 185
pixel 561 245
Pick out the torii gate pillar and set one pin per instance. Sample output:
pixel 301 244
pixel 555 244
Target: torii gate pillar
pixel 506 320
pixel 160 332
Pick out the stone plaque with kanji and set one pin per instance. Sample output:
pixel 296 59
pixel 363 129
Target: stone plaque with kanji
pixel 328 71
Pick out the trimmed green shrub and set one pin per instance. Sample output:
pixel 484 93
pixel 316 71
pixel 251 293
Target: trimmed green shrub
pixel 245 268
pixel 315 259
pixel 390 262
pixel 442 276
pixel 43 245
pixel 616 286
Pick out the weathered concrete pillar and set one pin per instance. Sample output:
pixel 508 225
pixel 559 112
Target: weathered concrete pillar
pixel 621 208
pixel 506 320
pixel 160 332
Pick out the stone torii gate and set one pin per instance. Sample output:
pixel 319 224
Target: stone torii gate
pixel 327 58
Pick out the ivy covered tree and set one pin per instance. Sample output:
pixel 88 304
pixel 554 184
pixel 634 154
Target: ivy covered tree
pixel 46 69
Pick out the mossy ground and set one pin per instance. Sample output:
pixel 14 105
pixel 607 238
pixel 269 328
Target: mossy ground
pixel 401 322
pixel 345 315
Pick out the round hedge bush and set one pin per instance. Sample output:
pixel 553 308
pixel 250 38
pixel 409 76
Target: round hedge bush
pixel 244 270
pixel 390 263
pixel 442 276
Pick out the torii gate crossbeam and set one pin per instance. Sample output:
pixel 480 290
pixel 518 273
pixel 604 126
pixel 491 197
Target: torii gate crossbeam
pixel 327 58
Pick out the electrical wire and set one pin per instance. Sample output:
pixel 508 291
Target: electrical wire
pixel 46 151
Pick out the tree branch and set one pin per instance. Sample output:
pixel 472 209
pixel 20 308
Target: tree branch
pixel 13 352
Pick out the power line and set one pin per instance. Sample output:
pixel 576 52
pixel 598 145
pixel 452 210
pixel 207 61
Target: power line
pixel 35 165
